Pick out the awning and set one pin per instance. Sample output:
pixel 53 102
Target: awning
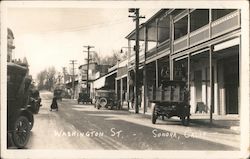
pixel 99 83
pixel 227 44
pixel 104 81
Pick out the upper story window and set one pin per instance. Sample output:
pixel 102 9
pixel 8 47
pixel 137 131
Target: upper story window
pixel 198 19
pixel 181 27
pixel 218 13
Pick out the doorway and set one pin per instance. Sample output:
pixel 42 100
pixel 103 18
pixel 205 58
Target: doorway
pixel 231 81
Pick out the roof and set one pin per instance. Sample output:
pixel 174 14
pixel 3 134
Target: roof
pixel 150 21
pixel 87 64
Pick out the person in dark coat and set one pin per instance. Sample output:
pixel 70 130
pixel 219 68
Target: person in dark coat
pixel 54 104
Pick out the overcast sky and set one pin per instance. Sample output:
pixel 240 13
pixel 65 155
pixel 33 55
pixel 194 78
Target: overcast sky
pixel 54 36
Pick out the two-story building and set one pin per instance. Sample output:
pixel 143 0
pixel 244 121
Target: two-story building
pixel 94 71
pixel 201 46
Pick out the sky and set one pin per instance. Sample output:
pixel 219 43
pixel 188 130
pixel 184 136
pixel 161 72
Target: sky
pixel 54 36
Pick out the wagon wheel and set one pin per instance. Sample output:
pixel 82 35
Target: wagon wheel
pixel 185 120
pixel 21 132
pixel 154 115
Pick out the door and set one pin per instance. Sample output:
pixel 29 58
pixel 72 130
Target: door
pixel 231 76
pixel 198 85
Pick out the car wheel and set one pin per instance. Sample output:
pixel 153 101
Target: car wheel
pixel 103 102
pixel 21 133
pixel 185 120
pixel 154 115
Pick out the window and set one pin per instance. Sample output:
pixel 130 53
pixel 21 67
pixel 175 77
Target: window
pixel 218 13
pixel 198 19
pixel 181 28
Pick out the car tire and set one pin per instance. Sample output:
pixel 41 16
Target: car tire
pixel 21 133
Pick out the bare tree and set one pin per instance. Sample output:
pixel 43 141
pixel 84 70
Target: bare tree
pixel 46 78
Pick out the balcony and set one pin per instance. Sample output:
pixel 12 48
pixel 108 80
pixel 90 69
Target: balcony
pixel 162 46
pixel 217 28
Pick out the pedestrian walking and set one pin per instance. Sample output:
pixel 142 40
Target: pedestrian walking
pixel 54 104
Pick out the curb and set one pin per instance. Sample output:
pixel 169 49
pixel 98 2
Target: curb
pixel 197 121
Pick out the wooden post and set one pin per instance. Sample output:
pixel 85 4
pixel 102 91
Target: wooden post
pixel 211 84
pixel 121 85
pixel 156 74
pixel 188 75
pixel 145 70
pixel 171 33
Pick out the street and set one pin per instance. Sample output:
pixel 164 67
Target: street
pixel 78 126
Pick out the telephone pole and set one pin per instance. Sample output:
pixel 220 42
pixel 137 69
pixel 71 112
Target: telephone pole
pixel 87 82
pixel 73 62
pixel 136 17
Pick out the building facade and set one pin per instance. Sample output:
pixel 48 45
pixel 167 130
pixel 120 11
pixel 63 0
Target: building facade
pixel 94 72
pixel 200 46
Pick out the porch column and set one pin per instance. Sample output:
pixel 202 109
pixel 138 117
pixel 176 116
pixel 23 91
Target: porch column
pixel 216 96
pixel 145 70
pixel 171 34
pixel 157 32
pixel 128 75
pixel 156 74
pixel 116 85
pixel 188 75
pixel 121 86
pixel 211 84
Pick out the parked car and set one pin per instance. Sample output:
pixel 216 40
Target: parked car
pixel 171 99
pixel 34 101
pixel 105 98
pixel 58 93
pixel 19 119
pixel 84 98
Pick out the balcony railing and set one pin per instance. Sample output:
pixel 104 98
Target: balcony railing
pixel 225 24
pixel 162 46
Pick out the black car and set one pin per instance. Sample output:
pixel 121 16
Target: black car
pixel 58 93
pixel 105 98
pixel 19 119
pixel 34 101
pixel 84 98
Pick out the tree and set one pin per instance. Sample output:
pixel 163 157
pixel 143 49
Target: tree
pixel 107 60
pixel 46 79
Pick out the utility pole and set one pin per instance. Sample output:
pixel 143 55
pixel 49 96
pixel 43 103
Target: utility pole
pixel 87 83
pixel 64 74
pixel 73 76
pixel 136 17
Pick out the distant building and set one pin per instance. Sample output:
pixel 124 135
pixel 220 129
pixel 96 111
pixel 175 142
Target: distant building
pixel 95 71
pixel 10 44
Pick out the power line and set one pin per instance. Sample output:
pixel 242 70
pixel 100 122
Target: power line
pixel 88 27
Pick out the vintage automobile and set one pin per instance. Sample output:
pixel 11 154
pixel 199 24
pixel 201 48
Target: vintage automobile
pixel 170 99
pixel 34 101
pixel 105 98
pixel 58 93
pixel 19 119
pixel 84 98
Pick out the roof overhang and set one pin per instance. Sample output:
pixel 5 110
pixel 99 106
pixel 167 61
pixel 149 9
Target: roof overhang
pixel 151 25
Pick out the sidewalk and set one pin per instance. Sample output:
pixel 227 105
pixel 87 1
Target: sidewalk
pixel 219 121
